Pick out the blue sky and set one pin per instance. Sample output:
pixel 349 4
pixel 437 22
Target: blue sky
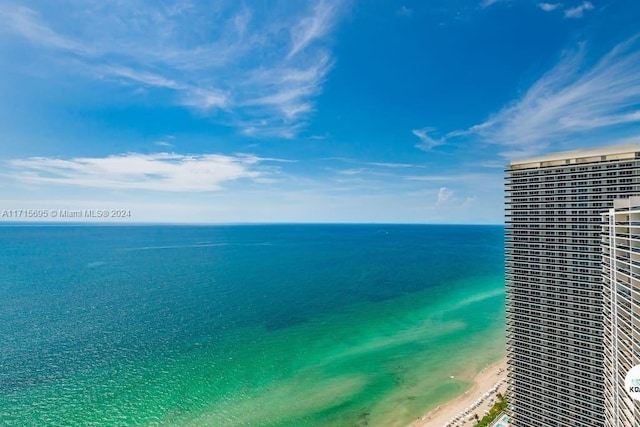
pixel 307 111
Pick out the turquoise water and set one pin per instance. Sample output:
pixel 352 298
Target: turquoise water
pixel 287 325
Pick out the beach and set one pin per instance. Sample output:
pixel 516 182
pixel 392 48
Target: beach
pixel 483 382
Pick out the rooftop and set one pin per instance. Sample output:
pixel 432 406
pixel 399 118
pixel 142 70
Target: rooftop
pixel 612 152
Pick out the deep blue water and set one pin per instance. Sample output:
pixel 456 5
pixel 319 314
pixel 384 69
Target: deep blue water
pixel 75 300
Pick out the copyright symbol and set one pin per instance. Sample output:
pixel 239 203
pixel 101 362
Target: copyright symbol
pixel 53 213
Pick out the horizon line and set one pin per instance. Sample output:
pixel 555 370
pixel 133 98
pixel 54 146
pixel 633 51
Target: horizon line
pixel 213 224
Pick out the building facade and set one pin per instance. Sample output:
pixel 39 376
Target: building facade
pixel 554 284
pixel 621 309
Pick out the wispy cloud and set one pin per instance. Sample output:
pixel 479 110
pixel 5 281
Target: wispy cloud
pixel 569 101
pixel 404 11
pixel 457 177
pixel 355 171
pixel 385 165
pixel 158 172
pixel 24 21
pixel 492 164
pixel 578 11
pixel 163 144
pixel 289 92
pixel 549 7
pixel 392 165
pixel 487 3
pixel 263 66
pixel 363 171
pixel 313 26
pixel 427 142
pixel 143 77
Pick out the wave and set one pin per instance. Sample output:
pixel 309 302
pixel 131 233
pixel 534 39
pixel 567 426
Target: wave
pixel 197 245
pixel 95 264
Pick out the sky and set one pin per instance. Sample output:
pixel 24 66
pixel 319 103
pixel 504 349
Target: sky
pixel 309 111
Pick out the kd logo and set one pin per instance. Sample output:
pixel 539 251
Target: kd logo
pixel 632 382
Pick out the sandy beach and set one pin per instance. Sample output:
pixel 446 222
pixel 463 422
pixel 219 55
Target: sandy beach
pixel 483 382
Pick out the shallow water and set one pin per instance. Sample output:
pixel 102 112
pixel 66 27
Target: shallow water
pixel 305 325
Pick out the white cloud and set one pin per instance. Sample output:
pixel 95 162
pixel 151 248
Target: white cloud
pixel 158 172
pixel 468 201
pixel 163 144
pixel 458 177
pixel 548 7
pixel 313 26
pixel 24 21
pixel 427 142
pixel 269 128
pixel 492 164
pixel 146 78
pixel 448 197
pixel 404 11
pixel 578 11
pixel 204 99
pixel 391 165
pixel 352 171
pixel 487 3
pixel 189 95
pixel 293 88
pixel 444 195
pixel 263 66
pixel 568 102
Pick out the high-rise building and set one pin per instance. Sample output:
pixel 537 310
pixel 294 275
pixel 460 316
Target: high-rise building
pixel 621 309
pixel 554 281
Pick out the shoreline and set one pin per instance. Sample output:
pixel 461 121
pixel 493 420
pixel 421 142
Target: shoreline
pixel 486 379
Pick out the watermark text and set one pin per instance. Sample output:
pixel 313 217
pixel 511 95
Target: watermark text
pixel 56 214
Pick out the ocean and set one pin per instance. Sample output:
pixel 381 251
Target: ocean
pixel 248 325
